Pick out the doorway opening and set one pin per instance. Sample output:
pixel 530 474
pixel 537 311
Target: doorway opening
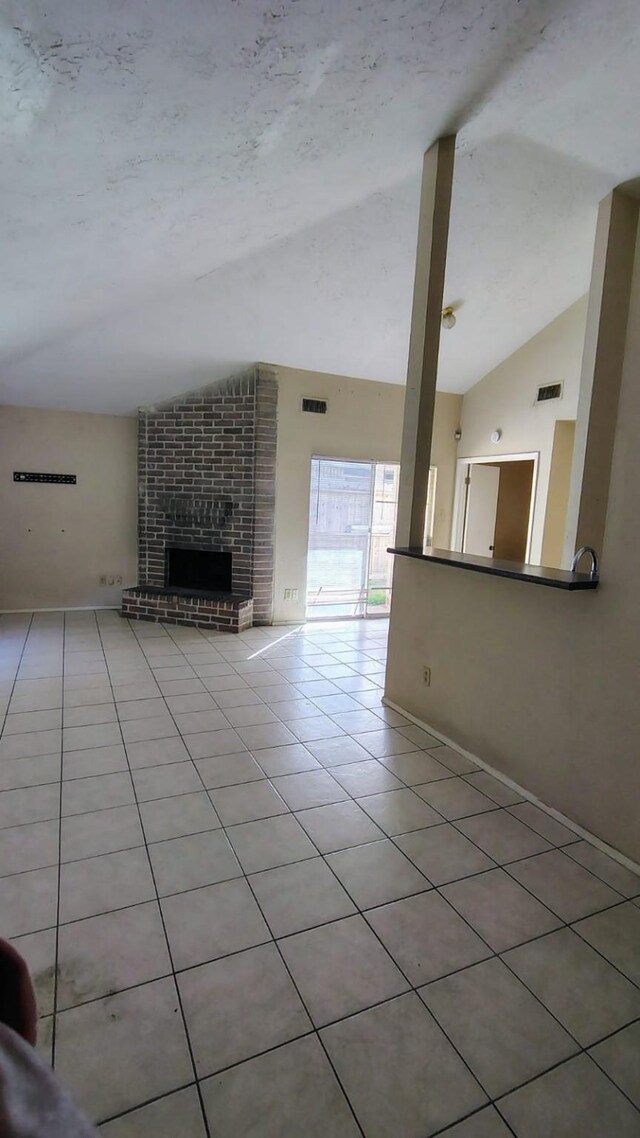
pixel 352 521
pixel 494 515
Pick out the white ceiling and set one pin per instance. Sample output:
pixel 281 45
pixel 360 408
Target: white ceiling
pixel 187 186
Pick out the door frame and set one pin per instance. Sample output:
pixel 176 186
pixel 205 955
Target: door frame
pixel 460 496
pixel 373 462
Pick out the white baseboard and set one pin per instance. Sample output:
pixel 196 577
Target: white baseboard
pixel 571 825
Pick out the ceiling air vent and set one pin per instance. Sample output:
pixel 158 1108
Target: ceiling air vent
pixel 549 391
pixel 314 406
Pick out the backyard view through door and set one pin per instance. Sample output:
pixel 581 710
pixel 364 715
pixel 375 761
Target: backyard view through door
pixel 352 522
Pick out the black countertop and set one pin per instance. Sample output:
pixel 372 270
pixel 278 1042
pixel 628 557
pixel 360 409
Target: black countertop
pixel 515 570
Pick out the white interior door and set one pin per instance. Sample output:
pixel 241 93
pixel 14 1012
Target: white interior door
pixel 482 505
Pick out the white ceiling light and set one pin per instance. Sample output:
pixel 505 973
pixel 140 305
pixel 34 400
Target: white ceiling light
pixel 448 317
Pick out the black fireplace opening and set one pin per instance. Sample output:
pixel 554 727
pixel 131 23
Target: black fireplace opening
pixel 198 570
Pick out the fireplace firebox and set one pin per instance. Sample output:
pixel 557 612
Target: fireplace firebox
pixel 197 570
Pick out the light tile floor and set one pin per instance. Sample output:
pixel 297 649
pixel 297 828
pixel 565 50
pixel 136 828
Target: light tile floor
pixel 256 902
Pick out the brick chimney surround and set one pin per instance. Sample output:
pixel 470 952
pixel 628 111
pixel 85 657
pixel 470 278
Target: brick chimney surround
pixel 206 483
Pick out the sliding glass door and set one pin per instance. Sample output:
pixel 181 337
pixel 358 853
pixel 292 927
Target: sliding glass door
pixel 384 511
pixel 352 521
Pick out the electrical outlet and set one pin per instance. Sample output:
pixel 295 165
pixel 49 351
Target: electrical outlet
pixel 426 676
pixel 103 580
pixel 111 580
pixel 118 580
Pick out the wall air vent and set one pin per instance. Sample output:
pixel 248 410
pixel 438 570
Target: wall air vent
pixel 549 391
pixel 314 406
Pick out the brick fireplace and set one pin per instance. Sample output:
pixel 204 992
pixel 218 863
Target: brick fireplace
pixel 206 486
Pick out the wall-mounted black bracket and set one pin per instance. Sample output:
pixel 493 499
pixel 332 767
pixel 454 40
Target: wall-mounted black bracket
pixel 30 476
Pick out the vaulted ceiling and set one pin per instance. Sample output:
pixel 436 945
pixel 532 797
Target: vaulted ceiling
pixel 190 186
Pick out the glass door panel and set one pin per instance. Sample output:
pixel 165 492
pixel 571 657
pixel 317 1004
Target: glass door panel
pixel 339 533
pixel 384 508
pixel 352 522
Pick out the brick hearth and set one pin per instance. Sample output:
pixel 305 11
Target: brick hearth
pixel 225 614
pixel 206 474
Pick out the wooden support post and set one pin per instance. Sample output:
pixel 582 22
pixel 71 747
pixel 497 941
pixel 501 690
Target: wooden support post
pixel 601 374
pixel 433 232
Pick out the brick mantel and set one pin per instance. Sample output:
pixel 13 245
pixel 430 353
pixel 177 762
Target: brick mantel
pixel 206 479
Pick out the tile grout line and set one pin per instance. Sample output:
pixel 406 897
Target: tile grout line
pixel 585 835
pixel 15 678
pixel 451 822
pixel 168 945
pixel 564 924
pixel 147 1102
pixel 295 985
pixel 414 987
pixel 499 955
pixel 582 1050
pixel 59 867
pixel 623 898
pixel 313 1029
pixel 362 912
pixel 504 866
pixel 280 954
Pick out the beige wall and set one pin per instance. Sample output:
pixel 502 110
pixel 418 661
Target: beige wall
pixel 541 684
pixel 446 421
pixel 57 540
pixel 363 421
pixel 504 399
pixel 558 495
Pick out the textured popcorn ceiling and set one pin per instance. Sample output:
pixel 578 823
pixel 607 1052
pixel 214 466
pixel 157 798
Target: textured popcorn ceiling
pixel 190 185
